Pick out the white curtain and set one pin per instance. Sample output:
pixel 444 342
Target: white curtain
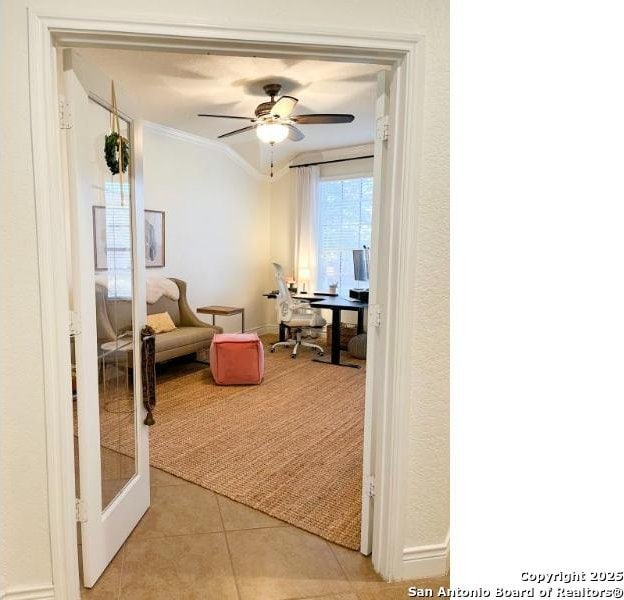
pixel 306 225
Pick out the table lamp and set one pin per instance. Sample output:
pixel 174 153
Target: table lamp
pixel 304 277
pixel 360 266
pixel 360 272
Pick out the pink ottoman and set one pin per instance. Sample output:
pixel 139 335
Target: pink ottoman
pixel 236 358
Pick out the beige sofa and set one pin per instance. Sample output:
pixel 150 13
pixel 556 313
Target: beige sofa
pixel 190 335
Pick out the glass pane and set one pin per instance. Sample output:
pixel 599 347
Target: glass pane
pixel 112 229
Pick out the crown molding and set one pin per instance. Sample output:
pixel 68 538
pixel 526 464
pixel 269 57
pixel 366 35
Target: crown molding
pixel 320 155
pixel 198 140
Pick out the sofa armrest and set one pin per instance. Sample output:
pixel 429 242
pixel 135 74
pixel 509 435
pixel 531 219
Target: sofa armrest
pixel 105 331
pixel 187 317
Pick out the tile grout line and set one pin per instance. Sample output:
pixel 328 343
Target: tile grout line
pixel 227 546
pixel 224 530
pixel 177 535
pixel 324 595
pixel 121 569
pixel 342 569
pixel 319 597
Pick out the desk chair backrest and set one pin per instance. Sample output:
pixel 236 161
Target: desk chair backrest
pixel 285 302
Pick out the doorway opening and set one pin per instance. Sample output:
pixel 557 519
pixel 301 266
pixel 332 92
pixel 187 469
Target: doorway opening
pixel 386 531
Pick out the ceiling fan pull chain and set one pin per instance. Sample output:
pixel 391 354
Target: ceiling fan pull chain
pixel 272 144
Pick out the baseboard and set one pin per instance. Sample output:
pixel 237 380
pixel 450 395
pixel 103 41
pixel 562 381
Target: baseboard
pixel 263 330
pixel 38 592
pixel 423 562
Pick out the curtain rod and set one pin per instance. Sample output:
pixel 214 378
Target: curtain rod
pixel 327 162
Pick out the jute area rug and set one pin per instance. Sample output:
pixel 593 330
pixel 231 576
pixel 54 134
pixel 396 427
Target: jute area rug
pixel 290 447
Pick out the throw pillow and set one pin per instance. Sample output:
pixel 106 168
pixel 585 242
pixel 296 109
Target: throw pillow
pixel 161 322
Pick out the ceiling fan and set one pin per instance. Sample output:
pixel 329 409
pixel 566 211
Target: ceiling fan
pixel 274 121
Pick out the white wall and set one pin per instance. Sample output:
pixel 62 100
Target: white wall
pixel 24 543
pixel 427 512
pixel 25 534
pixel 217 223
pixel 282 199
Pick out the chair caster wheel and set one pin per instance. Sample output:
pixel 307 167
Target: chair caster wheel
pixel 272 350
pixel 293 356
pixel 321 353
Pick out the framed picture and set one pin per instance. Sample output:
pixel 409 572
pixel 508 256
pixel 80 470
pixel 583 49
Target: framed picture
pixel 154 238
pixel 99 238
pixel 121 236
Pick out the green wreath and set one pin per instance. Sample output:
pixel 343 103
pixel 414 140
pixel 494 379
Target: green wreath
pixel 111 150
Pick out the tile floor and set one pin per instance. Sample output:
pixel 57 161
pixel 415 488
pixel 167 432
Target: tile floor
pixel 195 544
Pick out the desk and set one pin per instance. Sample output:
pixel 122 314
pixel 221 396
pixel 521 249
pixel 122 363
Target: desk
pixel 308 297
pixel 304 296
pixel 337 304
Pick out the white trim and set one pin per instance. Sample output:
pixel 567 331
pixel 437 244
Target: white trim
pixel 263 329
pixel 422 562
pixel 198 140
pixel 356 45
pixel 406 53
pixel 400 193
pixel 50 219
pixel 37 592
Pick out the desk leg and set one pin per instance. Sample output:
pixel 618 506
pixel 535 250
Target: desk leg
pixel 335 348
pixel 243 321
pixel 360 322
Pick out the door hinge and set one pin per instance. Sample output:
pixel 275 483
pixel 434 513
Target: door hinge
pixel 65 115
pixel 374 315
pixel 370 486
pixel 81 510
pixel 74 322
pixel 383 128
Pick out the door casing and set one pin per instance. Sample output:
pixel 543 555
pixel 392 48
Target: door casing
pixel 405 54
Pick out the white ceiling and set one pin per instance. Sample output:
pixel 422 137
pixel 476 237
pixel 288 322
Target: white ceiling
pixel 171 88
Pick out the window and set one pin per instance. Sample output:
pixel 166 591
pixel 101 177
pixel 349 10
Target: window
pixel 345 211
pixel 118 236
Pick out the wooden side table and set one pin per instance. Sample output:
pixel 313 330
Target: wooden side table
pixel 223 311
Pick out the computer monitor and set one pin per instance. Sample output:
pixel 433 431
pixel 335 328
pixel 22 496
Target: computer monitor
pixel 360 265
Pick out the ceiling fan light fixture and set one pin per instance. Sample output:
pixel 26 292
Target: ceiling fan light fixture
pixel 272 133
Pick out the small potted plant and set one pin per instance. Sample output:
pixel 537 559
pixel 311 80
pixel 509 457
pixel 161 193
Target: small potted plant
pixel 332 282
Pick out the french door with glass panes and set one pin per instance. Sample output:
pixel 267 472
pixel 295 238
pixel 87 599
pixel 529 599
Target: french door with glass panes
pixel 107 296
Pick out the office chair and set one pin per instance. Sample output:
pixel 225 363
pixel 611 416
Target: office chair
pixel 298 316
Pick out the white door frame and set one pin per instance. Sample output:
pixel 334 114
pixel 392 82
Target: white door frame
pixel 401 197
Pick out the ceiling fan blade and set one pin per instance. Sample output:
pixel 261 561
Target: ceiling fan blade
pixel 284 106
pixel 294 134
pixel 249 128
pixel 321 118
pixel 226 117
